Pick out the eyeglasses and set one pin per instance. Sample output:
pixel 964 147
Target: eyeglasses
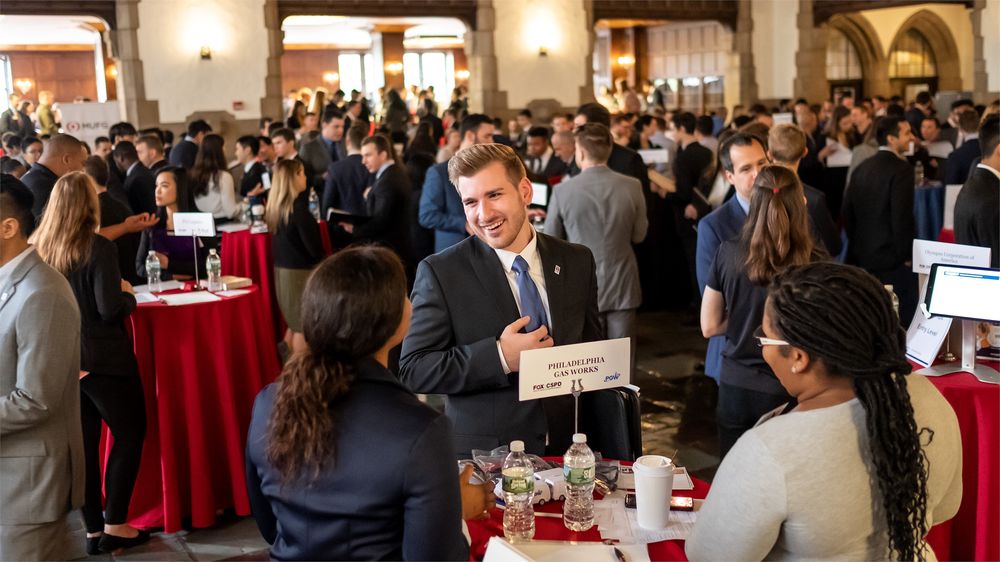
pixel 763 340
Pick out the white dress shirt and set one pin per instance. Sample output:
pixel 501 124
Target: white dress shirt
pixel 530 255
pixel 220 200
pixel 539 163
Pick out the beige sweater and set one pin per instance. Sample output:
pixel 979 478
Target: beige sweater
pixel 797 487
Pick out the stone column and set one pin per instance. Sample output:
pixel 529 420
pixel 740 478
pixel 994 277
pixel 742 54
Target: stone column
pixel 270 104
pixel 587 90
pixel 981 89
pixel 484 93
pixel 743 47
pixel 810 60
pixel 131 85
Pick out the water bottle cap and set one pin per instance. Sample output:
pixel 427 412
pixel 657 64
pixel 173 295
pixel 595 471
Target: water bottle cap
pixel 579 437
pixel 152 253
pixel 212 252
pixel 517 446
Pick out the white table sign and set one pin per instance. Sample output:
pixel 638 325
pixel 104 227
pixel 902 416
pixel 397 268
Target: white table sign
pixel 595 365
pixel 194 224
pixel 924 338
pixel 927 253
pixel 782 118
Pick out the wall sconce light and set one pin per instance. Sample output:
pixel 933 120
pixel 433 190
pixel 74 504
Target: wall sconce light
pixel 331 77
pixel 394 67
pixel 462 74
pixel 24 85
pixel 206 53
pixel 111 71
pixel 543 51
pixel 626 61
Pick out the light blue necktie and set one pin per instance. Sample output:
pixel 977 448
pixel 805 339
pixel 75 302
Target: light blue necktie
pixel 531 301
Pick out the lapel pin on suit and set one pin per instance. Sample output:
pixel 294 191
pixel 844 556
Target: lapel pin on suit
pixel 557 270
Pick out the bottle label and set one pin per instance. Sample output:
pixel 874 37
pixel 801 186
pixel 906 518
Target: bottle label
pixel 518 484
pixel 583 475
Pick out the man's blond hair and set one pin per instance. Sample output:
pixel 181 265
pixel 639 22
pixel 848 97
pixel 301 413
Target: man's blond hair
pixel 787 143
pixel 469 161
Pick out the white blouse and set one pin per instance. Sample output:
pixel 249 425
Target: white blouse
pixel 221 198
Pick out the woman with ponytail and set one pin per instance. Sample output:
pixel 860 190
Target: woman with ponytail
pixel 775 236
pixel 343 461
pixel 870 457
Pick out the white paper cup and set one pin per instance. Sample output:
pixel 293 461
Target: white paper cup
pixel 654 484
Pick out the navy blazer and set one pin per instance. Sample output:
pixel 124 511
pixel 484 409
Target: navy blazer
pixel 441 208
pixel 40 180
pixel 390 492
pixel 959 163
pixel 183 154
pixel 461 304
pixel 346 182
pixel 720 225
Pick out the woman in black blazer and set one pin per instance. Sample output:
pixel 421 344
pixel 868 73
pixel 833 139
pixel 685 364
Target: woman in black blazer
pixel 343 461
pixel 110 388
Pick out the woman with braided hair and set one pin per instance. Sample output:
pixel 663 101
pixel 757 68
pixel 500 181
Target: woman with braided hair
pixel 867 461
pixel 775 236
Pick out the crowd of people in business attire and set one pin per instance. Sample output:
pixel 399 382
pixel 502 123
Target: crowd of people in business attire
pixel 448 267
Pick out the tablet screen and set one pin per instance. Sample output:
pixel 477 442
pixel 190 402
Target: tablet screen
pixel 540 197
pixel 964 292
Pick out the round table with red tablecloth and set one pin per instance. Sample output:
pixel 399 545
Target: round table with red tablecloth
pixel 974 532
pixel 249 255
pixel 202 366
pixel 552 529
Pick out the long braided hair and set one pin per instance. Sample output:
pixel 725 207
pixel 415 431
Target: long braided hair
pixel 352 305
pixel 842 316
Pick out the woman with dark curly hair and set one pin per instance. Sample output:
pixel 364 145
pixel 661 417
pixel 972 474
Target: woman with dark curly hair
pixel 867 461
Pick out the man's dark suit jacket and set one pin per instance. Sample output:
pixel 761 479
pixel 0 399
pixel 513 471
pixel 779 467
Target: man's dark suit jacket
pixel 554 168
pixel 388 205
pixel 40 180
pixel 390 492
pixel 158 165
pixel 346 182
pixel 251 178
pixel 878 213
pixel 183 154
pixel 823 228
pixel 977 213
pixel 689 165
pixel 315 152
pixel 959 163
pixel 140 187
pixel 461 304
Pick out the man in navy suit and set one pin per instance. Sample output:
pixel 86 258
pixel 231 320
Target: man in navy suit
pixel 440 206
pixel 185 152
pixel 348 178
pixel 480 303
pixel 960 161
pixel 742 157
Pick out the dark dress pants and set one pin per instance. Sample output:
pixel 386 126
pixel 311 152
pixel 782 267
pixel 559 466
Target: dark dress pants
pixel 739 410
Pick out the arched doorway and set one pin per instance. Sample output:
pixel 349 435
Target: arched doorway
pixel 923 55
pixel 843 66
pixel 854 57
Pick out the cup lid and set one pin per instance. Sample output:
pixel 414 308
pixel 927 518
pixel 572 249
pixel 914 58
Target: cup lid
pixel 654 465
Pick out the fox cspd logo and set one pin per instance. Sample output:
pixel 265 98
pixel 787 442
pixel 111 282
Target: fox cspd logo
pixel 547 386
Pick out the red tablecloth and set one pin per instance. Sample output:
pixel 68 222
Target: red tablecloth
pixel 201 365
pixel 947 236
pixel 552 529
pixel 974 533
pixel 249 255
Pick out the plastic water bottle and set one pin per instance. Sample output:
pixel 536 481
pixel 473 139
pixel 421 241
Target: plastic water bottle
pixel 918 174
pixel 578 471
pixel 518 494
pixel 153 272
pixel 314 204
pixel 213 265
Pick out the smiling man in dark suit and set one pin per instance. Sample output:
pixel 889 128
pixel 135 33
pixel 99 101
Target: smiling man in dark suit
pixel 480 303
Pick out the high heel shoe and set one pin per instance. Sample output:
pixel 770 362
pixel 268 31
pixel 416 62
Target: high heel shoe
pixel 94 545
pixel 110 543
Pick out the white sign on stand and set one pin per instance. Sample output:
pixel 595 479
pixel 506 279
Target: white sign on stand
pixel 194 224
pixel 783 118
pixel 927 253
pixel 89 120
pixel 578 367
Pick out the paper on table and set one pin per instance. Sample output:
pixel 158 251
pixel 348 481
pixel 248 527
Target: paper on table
pixel 232 227
pixel 925 335
pixel 614 521
pixel 142 298
pixel 232 292
pixel 165 286
pixel 189 298
pixel 680 526
pixel 682 480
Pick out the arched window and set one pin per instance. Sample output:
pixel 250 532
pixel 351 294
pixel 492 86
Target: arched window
pixel 842 61
pixel 912 57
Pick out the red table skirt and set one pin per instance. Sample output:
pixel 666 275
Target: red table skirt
pixel 947 236
pixel 974 533
pixel 552 529
pixel 249 255
pixel 201 365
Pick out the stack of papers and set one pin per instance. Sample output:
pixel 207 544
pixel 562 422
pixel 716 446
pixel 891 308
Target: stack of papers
pixel 193 297
pixel 616 522
pixel 164 286
pixel 232 227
